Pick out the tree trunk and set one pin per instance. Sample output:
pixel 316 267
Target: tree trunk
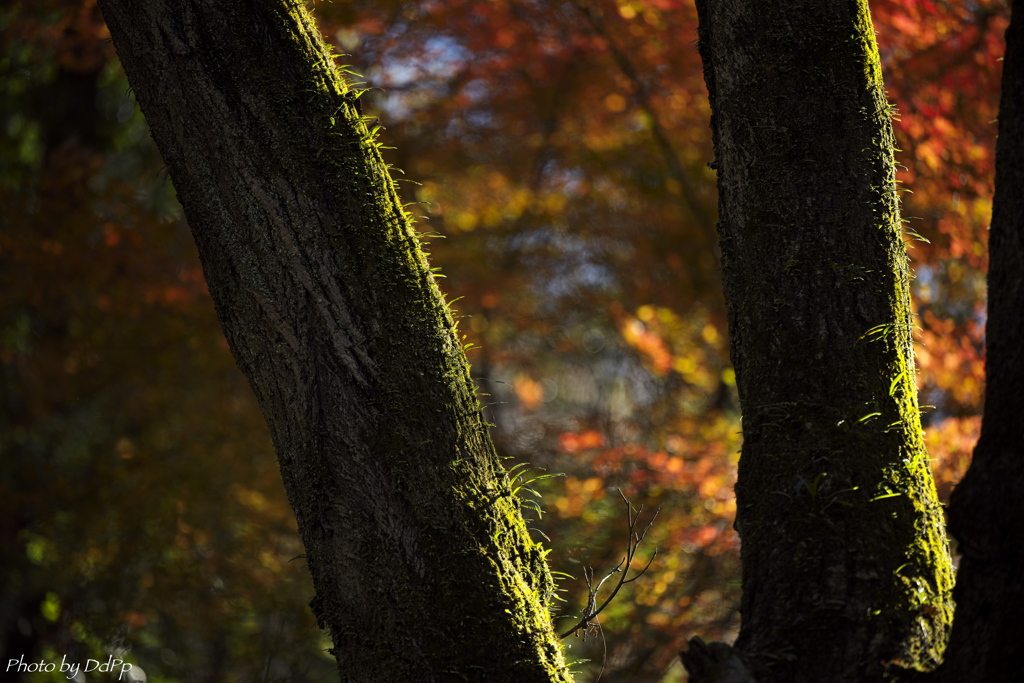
pixel 986 512
pixel 421 561
pixel 845 564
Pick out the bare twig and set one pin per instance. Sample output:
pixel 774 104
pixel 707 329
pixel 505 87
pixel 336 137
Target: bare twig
pixel 591 611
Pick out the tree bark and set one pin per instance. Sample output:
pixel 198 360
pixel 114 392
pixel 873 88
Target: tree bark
pixel 986 514
pixel 421 561
pixel 844 557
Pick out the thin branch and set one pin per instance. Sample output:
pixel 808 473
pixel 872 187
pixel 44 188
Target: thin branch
pixel 643 98
pixel 633 542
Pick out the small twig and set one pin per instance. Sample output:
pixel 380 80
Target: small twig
pixel 604 659
pixel 632 544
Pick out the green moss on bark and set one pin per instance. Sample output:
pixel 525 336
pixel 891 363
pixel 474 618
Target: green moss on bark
pixel 422 564
pixel 845 566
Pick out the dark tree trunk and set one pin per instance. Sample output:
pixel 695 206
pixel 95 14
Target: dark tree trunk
pixel 986 514
pixel 422 565
pixel 845 565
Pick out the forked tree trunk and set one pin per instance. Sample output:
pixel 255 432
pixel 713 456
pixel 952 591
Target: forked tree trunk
pixel 422 565
pixel 987 508
pixel 845 565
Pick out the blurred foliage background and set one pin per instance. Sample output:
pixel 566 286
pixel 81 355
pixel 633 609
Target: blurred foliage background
pixel 559 153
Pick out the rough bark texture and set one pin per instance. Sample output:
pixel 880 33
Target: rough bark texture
pixel 987 508
pixel 422 565
pixel 845 565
